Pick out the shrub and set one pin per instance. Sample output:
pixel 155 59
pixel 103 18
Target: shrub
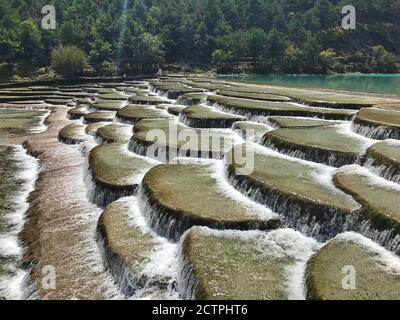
pixel 68 61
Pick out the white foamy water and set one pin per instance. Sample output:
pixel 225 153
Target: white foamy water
pixel 345 129
pixel 161 264
pixel 41 127
pixel 12 285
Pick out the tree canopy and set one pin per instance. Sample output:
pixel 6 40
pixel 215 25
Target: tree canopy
pixel 296 36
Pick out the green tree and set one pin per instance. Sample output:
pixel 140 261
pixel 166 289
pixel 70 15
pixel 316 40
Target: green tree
pixel 223 60
pixel 68 61
pixel 30 39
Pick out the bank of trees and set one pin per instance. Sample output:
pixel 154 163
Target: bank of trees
pixel 297 36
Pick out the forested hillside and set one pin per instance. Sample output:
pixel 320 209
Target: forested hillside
pixel 293 36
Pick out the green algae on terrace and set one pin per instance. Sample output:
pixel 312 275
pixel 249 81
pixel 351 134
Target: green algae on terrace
pixel 78 112
pixel 115 132
pixel 72 134
pixel 281 183
pixel 226 265
pixel 193 98
pixel 264 108
pixel 326 145
pixel 113 96
pixel 114 167
pixel 151 100
pixel 327 98
pixel 253 130
pixel 385 156
pixel 185 195
pixel 126 245
pixel 380 117
pixel 324 276
pixel 175 110
pixel 233 269
pixel 379 198
pixel 253 96
pixel 378 123
pixel 92 128
pixel 200 116
pixel 18 121
pixel 295 122
pixel 135 113
pixel 100 116
pixel 109 105
pixel 172 136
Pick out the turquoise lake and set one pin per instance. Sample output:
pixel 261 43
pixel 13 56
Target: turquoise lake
pixel 377 83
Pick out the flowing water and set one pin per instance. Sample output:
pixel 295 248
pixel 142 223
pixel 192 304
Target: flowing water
pixel 18 173
pixel 68 229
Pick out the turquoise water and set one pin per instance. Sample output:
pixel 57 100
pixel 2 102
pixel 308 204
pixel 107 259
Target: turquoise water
pixel 376 83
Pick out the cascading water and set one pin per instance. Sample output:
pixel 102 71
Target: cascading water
pixel 164 269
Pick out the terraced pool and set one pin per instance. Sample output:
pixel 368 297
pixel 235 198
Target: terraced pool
pixel 185 187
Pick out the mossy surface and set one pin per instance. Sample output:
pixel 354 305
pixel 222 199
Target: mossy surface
pixel 115 133
pixel 291 179
pixel 318 144
pixel 380 202
pixel 79 112
pixel 324 275
pixel 206 117
pixel 18 121
pixel 113 166
pixel 254 96
pixel 135 113
pixel 100 116
pixel 386 153
pixel 265 108
pixel 188 194
pixel 380 117
pixel 126 244
pixel 113 96
pixel 251 129
pixel 109 105
pixel 93 127
pixel 296 122
pixel 233 269
pixel 172 135
pixel 327 97
pixel 151 100
pixel 72 133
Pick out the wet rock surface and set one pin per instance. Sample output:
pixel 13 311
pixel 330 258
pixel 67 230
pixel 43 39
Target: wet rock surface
pixel 377 273
pixel 330 145
pixel 377 123
pixel 258 262
pixel 139 175
pixel 173 192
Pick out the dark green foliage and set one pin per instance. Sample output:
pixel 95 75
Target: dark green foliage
pixel 68 61
pixel 296 36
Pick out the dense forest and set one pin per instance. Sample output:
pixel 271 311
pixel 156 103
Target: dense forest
pixel 263 36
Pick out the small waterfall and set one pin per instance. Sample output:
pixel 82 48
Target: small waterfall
pixel 14 285
pixel 376 132
pixel 156 276
pixel 316 220
pixel 173 224
pixel 387 171
pixel 207 123
pixel 326 157
pixel 166 154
